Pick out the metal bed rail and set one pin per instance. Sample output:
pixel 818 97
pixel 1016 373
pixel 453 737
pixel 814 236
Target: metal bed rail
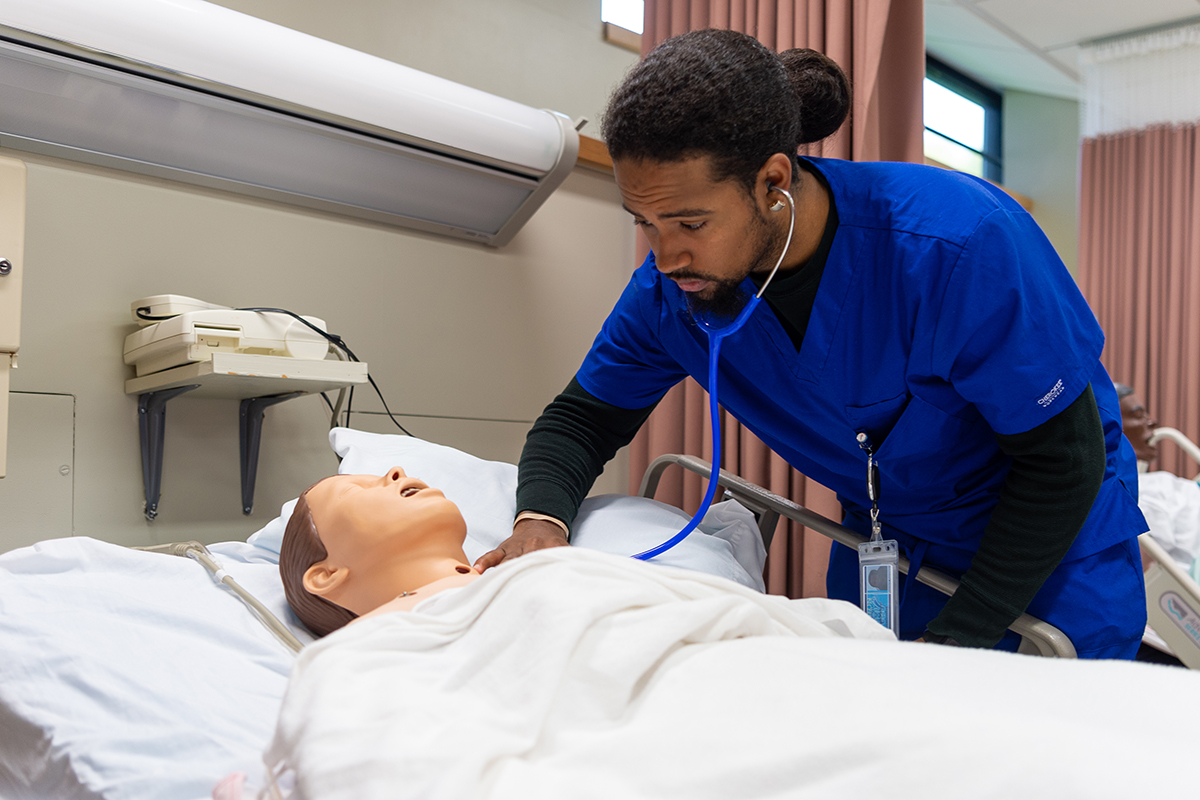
pixel 1185 444
pixel 1037 636
pixel 1172 597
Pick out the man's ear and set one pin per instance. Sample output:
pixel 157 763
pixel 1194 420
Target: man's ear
pixel 321 578
pixel 776 171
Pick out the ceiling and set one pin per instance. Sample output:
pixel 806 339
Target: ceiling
pixel 1033 45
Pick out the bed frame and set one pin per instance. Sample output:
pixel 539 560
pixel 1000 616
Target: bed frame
pixel 1172 597
pixel 1172 604
pixel 1037 637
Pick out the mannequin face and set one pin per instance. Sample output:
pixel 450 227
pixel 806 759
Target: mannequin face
pixel 383 535
pixel 1138 426
pixel 367 512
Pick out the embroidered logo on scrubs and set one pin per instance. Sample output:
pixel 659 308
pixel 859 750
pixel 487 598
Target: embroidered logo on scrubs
pixel 1051 395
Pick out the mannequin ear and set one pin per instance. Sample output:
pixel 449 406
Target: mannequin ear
pixel 321 578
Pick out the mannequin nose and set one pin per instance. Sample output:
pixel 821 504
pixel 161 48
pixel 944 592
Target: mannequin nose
pixel 394 474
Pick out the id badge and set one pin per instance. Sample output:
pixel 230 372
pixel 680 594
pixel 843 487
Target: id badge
pixel 878 569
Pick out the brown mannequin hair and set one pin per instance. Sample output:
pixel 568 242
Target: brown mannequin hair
pixel 302 547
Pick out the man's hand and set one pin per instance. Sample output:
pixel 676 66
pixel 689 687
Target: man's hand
pixel 528 535
pixel 933 638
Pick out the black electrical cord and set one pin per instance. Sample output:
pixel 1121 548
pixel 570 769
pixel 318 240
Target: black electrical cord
pixel 144 313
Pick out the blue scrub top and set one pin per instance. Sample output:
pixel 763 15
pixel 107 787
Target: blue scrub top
pixel 943 316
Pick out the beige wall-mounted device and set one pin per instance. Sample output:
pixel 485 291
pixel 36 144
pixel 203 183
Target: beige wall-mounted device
pixel 12 267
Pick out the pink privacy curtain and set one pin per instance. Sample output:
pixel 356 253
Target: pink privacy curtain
pixel 880 44
pixel 1139 267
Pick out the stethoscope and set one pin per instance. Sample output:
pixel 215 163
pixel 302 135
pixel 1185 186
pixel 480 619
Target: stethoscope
pixel 715 337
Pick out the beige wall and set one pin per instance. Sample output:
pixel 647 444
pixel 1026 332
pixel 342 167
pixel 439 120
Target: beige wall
pixel 1041 161
pixel 469 343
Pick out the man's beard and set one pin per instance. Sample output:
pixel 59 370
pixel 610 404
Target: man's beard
pixel 726 298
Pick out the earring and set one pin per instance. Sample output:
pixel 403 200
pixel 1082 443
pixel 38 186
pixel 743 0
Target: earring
pixel 778 205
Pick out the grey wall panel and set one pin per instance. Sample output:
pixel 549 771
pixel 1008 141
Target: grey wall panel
pixel 36 498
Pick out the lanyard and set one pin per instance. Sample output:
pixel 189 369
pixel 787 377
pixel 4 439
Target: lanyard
pixel 878 558
pixel 872 485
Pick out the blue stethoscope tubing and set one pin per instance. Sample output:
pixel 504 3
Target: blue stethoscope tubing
pixel 715 337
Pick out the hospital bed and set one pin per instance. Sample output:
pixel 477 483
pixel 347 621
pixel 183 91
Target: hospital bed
pixel 131 674
pixel 1172 596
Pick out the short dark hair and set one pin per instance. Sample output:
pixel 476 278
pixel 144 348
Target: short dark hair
pixel 302 547
pixel 1122 390
pixel 725 95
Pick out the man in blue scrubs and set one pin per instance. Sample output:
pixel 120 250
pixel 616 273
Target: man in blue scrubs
pixel 921 308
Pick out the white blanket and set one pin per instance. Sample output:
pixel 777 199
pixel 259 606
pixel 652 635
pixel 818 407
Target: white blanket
pixel 1171 506
pixel 574 674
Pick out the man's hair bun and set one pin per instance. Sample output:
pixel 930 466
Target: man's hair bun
pixel 822 89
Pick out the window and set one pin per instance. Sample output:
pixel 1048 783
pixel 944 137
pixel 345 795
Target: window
pixel 623 22
pixel 626 13
pixel 962 122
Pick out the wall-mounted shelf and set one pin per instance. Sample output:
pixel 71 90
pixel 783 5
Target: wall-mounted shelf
pixel 258 381
pixel 242 375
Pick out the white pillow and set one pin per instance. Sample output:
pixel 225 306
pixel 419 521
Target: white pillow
pixel 726 543
pixel 484 491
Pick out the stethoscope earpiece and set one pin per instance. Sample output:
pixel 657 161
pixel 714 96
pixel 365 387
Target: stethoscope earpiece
pixel 778 205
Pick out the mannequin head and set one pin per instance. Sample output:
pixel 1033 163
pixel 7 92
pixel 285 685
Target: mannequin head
pixel 355 542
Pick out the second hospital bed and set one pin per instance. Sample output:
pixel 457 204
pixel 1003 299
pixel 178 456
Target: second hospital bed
pixel 1172 595
pixel 132 675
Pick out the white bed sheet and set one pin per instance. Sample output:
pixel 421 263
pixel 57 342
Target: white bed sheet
pixel 576 674
pixel 130 675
